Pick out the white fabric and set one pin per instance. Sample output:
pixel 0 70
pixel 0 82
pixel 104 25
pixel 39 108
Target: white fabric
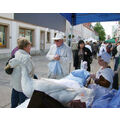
pixel 24 58
pixel 89 47
pixel 62 82
pixel 98 90
pixel 105 56
pixel 65 57
pixel 84 65
pixel 24 104
pixel 66 82
pixel 86 95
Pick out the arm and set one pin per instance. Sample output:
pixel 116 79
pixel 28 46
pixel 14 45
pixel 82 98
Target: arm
pixel 50 55
pixel 68 57
pixel 89 80
pixel 103 82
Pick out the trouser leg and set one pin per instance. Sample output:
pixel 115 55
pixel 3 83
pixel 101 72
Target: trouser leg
pixel 22 97
pixel 14 98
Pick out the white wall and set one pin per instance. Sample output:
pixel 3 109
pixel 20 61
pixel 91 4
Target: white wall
pixel 14 35
pixel 7 15
pixel 80 30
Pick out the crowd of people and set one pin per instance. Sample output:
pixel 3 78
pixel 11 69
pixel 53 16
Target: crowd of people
pixel 61 57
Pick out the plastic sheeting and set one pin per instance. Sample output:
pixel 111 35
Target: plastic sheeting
pixel 79 18
pixel 103 102
pixel 55 68
pixel 79 76
pixel 115 102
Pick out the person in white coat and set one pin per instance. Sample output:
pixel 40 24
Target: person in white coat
pixel 61 54
pixel 88 46
pixel 102 48
pixel 23 55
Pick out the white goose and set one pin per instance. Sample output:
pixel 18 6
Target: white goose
pixel 58 91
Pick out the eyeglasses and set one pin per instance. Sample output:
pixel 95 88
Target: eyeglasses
pixel 57 40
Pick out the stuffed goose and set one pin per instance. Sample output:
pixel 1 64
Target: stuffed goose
pixel 56 90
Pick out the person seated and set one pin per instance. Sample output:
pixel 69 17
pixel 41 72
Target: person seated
pixel 103 79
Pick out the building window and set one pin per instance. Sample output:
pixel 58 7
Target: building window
pixel 27 33
pixel 55 34
pixel 48 37
pixel 3 36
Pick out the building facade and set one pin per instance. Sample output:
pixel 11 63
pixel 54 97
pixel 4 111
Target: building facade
pixel 116 31
pixel 39 31
pixel 11 30
pixel 84 31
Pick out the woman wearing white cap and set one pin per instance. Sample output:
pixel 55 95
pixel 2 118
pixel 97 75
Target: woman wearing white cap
pixel 103 79
pixel 59 54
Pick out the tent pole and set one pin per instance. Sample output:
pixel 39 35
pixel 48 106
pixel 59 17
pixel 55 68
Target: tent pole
pixel 73 16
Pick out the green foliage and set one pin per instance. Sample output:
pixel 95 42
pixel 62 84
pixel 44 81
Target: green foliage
pixel 100 30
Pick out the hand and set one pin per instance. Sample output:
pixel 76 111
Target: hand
pixel 93 76
pixel 7 67
pixel 57 57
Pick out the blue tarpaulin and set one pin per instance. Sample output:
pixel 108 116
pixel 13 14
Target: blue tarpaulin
pixel 79 18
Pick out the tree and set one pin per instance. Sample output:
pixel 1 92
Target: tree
pixel 100 30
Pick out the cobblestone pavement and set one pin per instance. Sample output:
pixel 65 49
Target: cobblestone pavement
pixel 41 70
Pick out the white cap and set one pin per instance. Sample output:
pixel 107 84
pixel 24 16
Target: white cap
pixel 105 57
pixel 58 36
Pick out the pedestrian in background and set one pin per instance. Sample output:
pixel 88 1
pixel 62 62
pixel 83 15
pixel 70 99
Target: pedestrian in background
pixel 117 56
pixel 102 48
pixel 103 79
pixel 95 50
pixel 87 45
pixel 109 48
pixel 82 54
pixel 60 56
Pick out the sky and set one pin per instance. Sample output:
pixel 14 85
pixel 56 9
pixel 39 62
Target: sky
pixel 107 26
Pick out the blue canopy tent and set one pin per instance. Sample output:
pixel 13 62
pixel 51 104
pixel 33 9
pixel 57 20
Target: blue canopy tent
pixel 79 18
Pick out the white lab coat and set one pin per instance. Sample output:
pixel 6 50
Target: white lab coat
pixel 102 49
pixel 65 57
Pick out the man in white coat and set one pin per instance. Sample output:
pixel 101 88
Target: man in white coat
pixel 59 53
pixel 102 48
